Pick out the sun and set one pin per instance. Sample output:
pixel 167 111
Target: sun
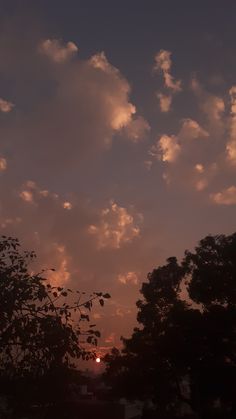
pixel 98 360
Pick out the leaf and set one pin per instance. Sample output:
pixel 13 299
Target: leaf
pixel 101 301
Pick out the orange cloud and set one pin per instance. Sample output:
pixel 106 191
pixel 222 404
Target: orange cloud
pixel 56 51
pixel 61 275
pixel 225 197
pixel 6 106
pixel 164 101
pixel 231 144
pixel 110 338
pixel 128 278
pixel 191 130
pixel 67 205
pixel 213 106
pixel 3 164
pixel 199 168
pixel 31 193
pixel 137 129
pixel 163 63
pixel 167 148
pixel 115 228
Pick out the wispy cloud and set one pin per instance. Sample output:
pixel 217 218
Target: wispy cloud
pixel 163 63
pixel 165 102
pixel 57 51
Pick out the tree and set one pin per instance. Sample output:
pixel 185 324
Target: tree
pixel 184 352
pixel 43 329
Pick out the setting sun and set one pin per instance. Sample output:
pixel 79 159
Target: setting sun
pixel 98 360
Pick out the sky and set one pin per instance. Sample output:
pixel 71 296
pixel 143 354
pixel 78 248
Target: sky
pixel 117 139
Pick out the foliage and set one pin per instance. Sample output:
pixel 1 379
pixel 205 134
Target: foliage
pixel 184 352
pixel 41 326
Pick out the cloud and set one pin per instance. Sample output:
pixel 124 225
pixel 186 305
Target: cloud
pixel 199 168
pixel 115 228
pixel 61 275
pixel 121 113
pixel 163 63
pixel 122 312
pixel 137 129
pixel 213 106
pixel 225 197
pixel 128 278
pixel 110 338
pixel 6 106
pixel 231 144
pixel 168 148
pixel 100 61
pixel 3 164
pixel 164 101
pixel 57 51
pixel 148 164
pixel 73 112
pixel 32 193
pixel 193 157
pixel 5 223
pixel 27 196
pixel 201 184
pixel 191 130
pixel 69 111
pixel 67 205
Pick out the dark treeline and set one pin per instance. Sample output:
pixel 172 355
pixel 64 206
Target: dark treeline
pixel 44 330
pixel 182 358
pixel 180 361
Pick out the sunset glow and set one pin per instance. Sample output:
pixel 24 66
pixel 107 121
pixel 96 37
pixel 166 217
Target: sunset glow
pixel 117 140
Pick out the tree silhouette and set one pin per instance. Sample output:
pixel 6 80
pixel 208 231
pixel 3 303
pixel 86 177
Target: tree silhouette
pixel 184 353
pixel 43 328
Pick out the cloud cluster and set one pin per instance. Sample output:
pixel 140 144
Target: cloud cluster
pixel 31 193
pixel 197 157
pixel 72 114
pixel 115 227
pixel 67 112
